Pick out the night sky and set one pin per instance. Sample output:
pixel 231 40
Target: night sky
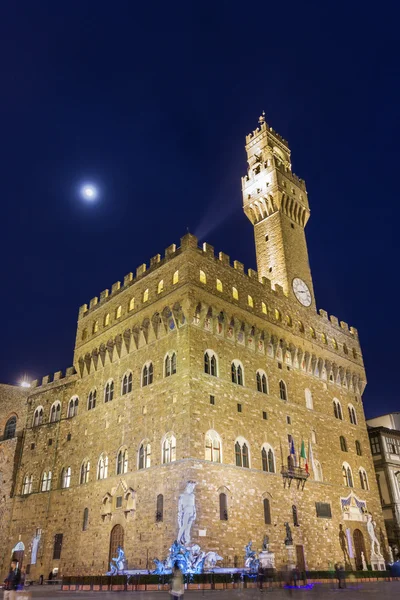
pixel 152 102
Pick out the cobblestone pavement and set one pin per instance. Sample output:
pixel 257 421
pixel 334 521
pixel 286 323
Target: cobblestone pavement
pixel 369 591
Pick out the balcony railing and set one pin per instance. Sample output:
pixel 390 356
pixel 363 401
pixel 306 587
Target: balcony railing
pixel 297 473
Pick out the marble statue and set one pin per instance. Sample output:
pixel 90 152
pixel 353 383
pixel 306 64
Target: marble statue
pixel 374 540
pixel 120 562
pixel 186 513
pixel 364 562
pixel 390 552
pixel 211 559
pixel 288 538
pixel 251 559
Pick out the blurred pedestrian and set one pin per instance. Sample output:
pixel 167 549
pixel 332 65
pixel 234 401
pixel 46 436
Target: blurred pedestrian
pixel 177 586
pixel 12 581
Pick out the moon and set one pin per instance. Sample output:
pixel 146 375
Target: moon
pixel 89 192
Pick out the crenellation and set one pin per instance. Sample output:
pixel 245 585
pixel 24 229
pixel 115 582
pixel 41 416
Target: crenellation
pixel 279 291
pixel 141 270
pixel 238 266
pixel 170 251
pixel 70 371
pixel 128 279
pixel 93 302
pixel 224 258
pixel 354 331
pixel 189 241
pixel 252 273
pixel 82 310
pixel 208 249
pixel 344 326
pixel 46 379
pixel 155 260
pixel 334 320
pixel 57 375
pixel 115 287
pixel 323 313
pixel 34 383
pixel 104 295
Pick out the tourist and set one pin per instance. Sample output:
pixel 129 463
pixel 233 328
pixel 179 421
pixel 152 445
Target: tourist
pixel 12 581
pixel 177 586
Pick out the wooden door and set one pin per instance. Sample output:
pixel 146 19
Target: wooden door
pixel 359 546
pixel 116 539
pixel 300 559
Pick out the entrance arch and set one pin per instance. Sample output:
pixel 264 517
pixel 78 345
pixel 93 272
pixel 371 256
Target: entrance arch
pixel 116 539
pixel 359 546
pixel 18 553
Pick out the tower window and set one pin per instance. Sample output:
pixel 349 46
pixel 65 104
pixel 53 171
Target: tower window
pixel 212 400
pixel 266 238
pixel 264 308
pixel 239 407
pixel 235 294
pixel 265 416
pixel 219 285
pixel 203 278
pixel 291 225
pixel 270 269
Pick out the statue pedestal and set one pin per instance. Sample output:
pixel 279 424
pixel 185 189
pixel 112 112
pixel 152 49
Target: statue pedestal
pixel 290 557
pixel 267 560
pixel 377 562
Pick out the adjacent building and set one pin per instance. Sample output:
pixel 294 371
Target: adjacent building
pixel 384 437
pixel 193 369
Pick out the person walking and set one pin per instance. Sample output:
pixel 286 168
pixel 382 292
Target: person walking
pixel 12 581
pixel 177 586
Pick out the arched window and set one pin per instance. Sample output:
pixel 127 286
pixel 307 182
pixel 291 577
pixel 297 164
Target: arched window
pixel 38 417
pixel 160 508
pixel 313 436
pixel 343 444
pixel 147 374
pixel 317 471
pixel 122 461
pixel 109 391
pixel 10 428
pixel 73 407
pixel 175 278
pixel 352 414
pixel 102 467
pixel 160 287
pixel 66 477
pixel 309 399
pixel 345 350
pixel 324 338
pixel 210 363
pixel 289 321
pixel 55 412
pixel 126 383
pixel 250 301
pixel 213 446
pixel 262 382
pixel 169 448
pixel 203 278
pixel 144 455
pixel 106 319
pixel 145 296
pixel 268 459
pixel 85 519
pixel 45 484
pixel 264 308
pixel 237 372
pixel 235 294
pixel 85 471
pixel 295 516
pixel 92 399
pixel 363 479
pixel 118 312
pixel 223 507
pixel 277 314
pixel 170 364
pixel 84 334
pixel 347 475
pixel 131 304
pixel 337 409
pixel 242 458
pixel 219 285
pixel 300 326
pixel 282 390
pixel 267 511
pixel 27 485
pixel 95 327
pixel 358 448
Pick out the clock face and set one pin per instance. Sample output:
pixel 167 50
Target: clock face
pixel 301 291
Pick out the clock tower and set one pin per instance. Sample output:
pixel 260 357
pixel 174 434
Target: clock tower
pixel 275 200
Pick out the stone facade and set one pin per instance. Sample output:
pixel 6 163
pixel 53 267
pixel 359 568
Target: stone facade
pixel 196 306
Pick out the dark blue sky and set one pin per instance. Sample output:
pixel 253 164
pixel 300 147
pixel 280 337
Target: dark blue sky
pixel 153 102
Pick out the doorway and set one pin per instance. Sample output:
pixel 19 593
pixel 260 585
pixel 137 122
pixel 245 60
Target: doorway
pixel 359 546
pixel 116 539
pixel 300 559
pixel 18 553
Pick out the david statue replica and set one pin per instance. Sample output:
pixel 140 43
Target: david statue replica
pixel 186 513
